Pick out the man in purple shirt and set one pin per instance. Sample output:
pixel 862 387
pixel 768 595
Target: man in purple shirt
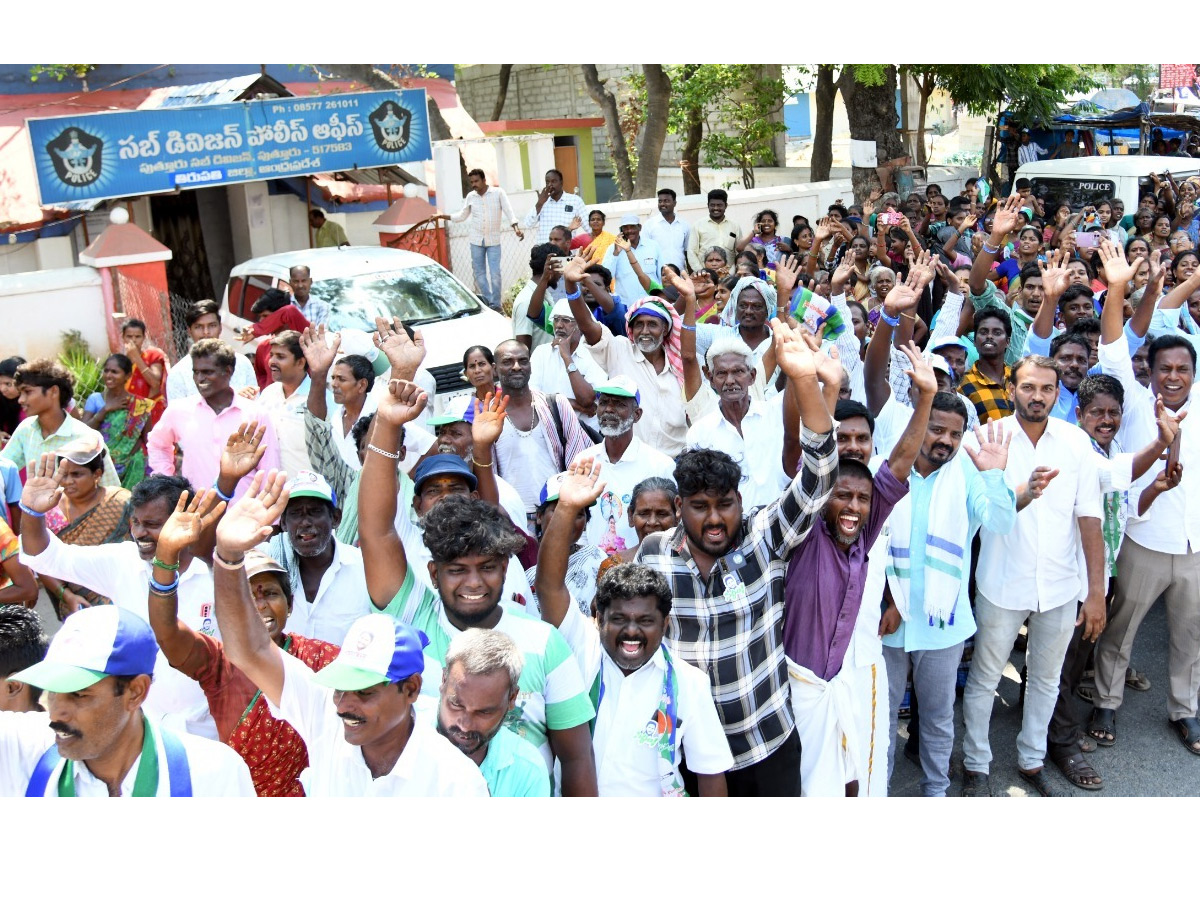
pixel 823 592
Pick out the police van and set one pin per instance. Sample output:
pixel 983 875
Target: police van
pixel 1086 180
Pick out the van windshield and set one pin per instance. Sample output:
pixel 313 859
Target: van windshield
pixel 1076 192
pixel 415 295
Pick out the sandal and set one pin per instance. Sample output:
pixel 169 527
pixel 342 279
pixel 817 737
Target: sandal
pixel 1076 769
pixel 1086 691
pixel 1188 731
pixel 1136 680
pixel 1086 744
pixel 1040 782
pixel 1103 727
pixel 976 784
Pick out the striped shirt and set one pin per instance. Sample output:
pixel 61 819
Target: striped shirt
pixel 484 212
pixel 730 624
pixel 555 212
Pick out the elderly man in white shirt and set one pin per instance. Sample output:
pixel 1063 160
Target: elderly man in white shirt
pixel 94 740
pixel 565 366
pixel 1041 571
pixel 327 578
pixel 627 461
pixel 749 430
pixel 356 715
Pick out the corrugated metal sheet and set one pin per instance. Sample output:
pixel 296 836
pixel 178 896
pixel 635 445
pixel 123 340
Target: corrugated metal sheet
pixel 209 93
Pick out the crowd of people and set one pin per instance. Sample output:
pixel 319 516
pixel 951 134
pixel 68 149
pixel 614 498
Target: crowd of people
pixel 764 494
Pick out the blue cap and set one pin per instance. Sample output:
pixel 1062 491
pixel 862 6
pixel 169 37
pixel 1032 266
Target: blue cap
pixel 443 464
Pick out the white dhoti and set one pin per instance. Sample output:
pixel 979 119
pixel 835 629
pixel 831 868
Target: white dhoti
pixel 839 740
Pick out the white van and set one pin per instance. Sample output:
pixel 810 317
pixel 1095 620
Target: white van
pixel 1088 179
pixel 360 283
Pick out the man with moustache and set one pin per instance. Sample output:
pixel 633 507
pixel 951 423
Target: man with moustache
pixel 356 715
pixel 1051 468
pixel 652 707
pixel 565 366
pixel 99 743
pixel 627 462
pixel 480 686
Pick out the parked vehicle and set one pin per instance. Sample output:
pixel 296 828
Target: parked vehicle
pixel 360 283
pixel 1088 179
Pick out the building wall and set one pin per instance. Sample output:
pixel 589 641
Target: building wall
pixel 548 92
pixel 36 307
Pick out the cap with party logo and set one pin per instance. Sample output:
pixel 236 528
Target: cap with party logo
pixel 310 484
pixel 620 386
pixel 258 563
pixel 376 650
pixel 92 645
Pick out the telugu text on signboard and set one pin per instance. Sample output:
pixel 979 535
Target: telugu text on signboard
pixel 121 154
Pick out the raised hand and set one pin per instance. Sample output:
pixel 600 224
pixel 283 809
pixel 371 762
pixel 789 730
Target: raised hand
pixel 1116 269
pixel 921 372
pixel 573 271
pixel 1055 276
pixel 489 420
pixel 905 295
pixel 829 368
pixel 787 274
pixel 250 521
pixel 402 402
pixel 824 230
pixel 992 454
pixel 580 486
pixel 1006 217
pixel 188 522
pixel 243 451
pixel 686 286
pixel 576 223
pixel 44 487
pixel 317 352
pixel 404 353
pixel 841 275
pixel 1168 424
pixel 793 354
pixel 1156 267
pixel 621 244
pixel 969 222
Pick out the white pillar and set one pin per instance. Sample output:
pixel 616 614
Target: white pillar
pixel 508 166
pixel 541 160
pixel 446 179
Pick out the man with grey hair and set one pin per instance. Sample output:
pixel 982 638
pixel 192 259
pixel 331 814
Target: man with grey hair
pixel 480 684
pixel 749 430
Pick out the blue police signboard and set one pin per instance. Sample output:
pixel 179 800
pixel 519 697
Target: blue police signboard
pixel 121 154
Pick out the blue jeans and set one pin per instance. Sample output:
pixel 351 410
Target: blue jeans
pixel 485 261
pixel 935 675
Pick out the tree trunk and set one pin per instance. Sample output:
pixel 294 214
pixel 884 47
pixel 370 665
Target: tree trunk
pixel 822 152
pixel 501 92
pixel 926 89
pixel 604 98
pixel 654 130
pixel 871 112
pixel 693 134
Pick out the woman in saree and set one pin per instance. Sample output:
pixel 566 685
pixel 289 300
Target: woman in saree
pixel 149 377
pixel 87 515
pixel 122 418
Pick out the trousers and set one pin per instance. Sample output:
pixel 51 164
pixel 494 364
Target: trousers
pixel 485 262
pixel 935 676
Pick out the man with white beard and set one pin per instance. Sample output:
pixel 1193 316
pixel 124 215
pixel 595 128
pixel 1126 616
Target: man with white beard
pixel 650 357
pixel 627 462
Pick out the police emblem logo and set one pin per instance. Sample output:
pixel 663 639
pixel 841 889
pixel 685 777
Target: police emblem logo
pixel 391 124
pixel 76 156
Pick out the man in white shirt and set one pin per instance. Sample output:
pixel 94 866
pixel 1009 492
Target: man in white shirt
pixel 544 278
pixel 1029 150
pixel 749 430
pixel 652 708
pixel 627 462
pixel 483 205
pixel 669 231
pixel 122 572
pixel 203 320
pixel 326 575
pixel 1051 561
pixel 355 715
pixel 620 259
pixel 555 207
pixel 565 366
pixel 1161 553
pixel 285 398
pixel 94 740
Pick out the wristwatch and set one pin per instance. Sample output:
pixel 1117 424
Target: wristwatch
pixel 572 368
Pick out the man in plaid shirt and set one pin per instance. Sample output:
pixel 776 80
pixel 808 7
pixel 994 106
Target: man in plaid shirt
pixel 726 573
pixel 555 207
pixel 986 382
